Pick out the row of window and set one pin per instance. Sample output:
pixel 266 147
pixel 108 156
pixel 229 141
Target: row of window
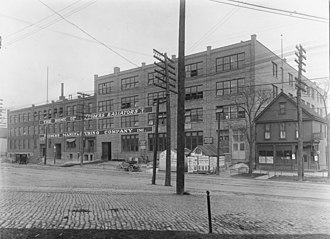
pixel 282 131
pixel 226 63
pixel 192 93
pixel 48 114
pixel 309 91
pixel 130 143
pixel 194 115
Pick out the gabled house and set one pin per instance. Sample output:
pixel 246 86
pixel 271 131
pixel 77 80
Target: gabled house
pixel 277 136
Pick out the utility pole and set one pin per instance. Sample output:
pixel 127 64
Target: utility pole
pixel 219 111
pixel 46 142
pixel 155 143
pixel 168 74
pixel 82 126
pixel 181 102
pixel 156 139
pixel 300 54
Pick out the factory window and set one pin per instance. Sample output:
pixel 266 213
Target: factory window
pixel 194 92
pixel 129 83
pixel 129 121
pixel 194 138
pixel 106 105
pixel 130 143
pixel 105 88
pixel 129 102
pixel 275 74
pixel 229 63
pixel 194 115
pixel 106 123
pixel 194 69
pixel 161 141
pixel 230 87
pixel 152 97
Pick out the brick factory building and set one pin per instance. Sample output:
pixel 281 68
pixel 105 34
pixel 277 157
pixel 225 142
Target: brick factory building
pixel 122 117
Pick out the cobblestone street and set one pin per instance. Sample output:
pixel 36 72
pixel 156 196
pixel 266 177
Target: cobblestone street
pixel 143 206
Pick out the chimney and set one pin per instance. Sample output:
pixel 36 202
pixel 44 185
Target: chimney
pixel 143 65
pixel 173 57
pixel 116 70
pixel 208 49
pixel 62 92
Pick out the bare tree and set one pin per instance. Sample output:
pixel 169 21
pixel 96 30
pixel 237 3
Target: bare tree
pixel 252 100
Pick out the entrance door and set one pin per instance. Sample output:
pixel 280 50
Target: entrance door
pixel 58 151
pixel 106 151
pixel 306 159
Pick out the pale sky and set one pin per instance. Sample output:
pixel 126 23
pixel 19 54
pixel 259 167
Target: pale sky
pixel 34 38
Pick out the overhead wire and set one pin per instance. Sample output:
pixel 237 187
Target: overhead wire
pixel 88 34
pixel 259 64
pixel 267 11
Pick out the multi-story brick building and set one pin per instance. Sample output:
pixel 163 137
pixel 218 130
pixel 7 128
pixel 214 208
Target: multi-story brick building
pixel 213 78
pixel 55 126
pixel 122 123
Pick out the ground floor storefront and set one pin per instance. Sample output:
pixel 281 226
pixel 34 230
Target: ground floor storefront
pixel 284 156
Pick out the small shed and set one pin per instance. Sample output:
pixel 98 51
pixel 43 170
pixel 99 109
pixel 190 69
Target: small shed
pixel 162 160
pixel 203 159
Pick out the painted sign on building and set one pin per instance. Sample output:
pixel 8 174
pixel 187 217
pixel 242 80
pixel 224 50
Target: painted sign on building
pixel 99 132
pixel 99 115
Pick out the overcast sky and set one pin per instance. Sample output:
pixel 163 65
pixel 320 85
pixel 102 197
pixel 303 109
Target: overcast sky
pixel 34 38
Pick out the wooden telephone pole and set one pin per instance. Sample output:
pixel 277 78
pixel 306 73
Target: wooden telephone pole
pixel 82 126
pixel 300 54
pixel 165 75
pixel 181 102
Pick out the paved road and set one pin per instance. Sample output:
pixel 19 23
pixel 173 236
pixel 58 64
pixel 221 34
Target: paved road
pixel 99 198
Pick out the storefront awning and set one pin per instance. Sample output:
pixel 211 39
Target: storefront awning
pixel 71 140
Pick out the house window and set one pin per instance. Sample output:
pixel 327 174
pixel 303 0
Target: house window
pixel 238 140
pixel 275 74
pixel 106 105
pixel 192 139
pixel 282 108
pixel 194 69
pixel 267 131
pixel 290 79
pixel 161 118
pixel 282 131
pixel 194 115
pixel 229 63
pixel 105 123
pixel 161 141
pixel 129 102
pixel 230 87
pixel 130 143
pixel 129 121
pixel 296 131
pixel 156 95
pixel 105 88
pixel 129 83
pixel 194 92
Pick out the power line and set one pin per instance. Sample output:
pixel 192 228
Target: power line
pixel 279 10
pixel 267 11
pixel 82 30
